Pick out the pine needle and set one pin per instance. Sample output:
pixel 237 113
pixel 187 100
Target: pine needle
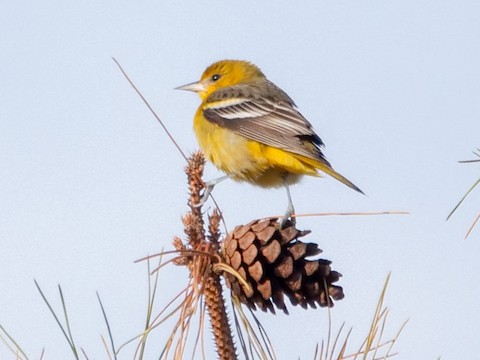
pixel 132 84
pixel 463 198
pixel 15 349
pixel 364 213
pixel 68 336
pixel 469 190
pixel 110 336
pixel 472 226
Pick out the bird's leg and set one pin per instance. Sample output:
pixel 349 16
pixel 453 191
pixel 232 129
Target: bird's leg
pixel 290 209
pixel 208 189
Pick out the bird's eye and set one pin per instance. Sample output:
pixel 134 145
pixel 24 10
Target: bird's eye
pixel 215 77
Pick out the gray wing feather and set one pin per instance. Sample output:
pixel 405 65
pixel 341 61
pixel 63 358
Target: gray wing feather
pixel 270 119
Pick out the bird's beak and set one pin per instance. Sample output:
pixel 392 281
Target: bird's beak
pixel 195 87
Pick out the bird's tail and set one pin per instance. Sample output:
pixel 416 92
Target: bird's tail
pixel 327 169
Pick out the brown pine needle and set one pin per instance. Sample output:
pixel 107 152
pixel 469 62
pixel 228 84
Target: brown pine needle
pixel 365 213
pixel 14 348
pixel 379 313
pixel 219 267
pixel 472 226
pixel 469 190
pixel 105 346
pixel 258 342
pixel 172 139
pixel 373 347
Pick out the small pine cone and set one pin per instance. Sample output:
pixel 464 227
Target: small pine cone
pixel 274 263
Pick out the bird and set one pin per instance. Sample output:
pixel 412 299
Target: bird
pixel 252 130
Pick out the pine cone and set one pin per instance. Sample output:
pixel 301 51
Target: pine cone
pixel 274 263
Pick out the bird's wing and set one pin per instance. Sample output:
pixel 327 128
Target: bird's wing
pixel 264 113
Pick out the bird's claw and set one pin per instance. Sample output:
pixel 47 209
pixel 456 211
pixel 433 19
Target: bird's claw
pixel 205 195
pixel 288 216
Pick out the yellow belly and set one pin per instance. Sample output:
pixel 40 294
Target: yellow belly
pixel 248 160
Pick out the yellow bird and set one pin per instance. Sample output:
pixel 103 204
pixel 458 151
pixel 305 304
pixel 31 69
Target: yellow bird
pixel 251 129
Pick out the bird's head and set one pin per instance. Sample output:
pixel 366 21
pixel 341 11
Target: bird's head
pixel 222 74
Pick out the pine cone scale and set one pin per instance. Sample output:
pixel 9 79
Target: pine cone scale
pixel 249 255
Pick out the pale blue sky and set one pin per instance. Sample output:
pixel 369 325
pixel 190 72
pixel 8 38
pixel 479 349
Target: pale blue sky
pixel 89 182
